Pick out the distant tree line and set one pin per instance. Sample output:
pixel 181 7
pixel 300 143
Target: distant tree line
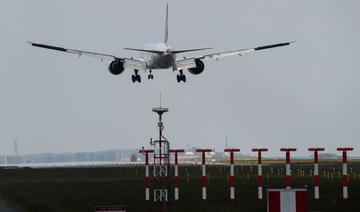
pixel 101 156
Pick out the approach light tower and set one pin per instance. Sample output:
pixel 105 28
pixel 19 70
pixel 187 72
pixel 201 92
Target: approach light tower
pixel 161 166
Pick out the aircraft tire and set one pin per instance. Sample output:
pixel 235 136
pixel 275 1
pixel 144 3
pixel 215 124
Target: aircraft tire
pixel 133 78
pixel 138 78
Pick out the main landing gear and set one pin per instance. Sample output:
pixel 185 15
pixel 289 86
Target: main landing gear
pixel 150 76
pixel 181 77
pixel 136 77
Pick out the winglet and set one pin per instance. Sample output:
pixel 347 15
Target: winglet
pixel 273 46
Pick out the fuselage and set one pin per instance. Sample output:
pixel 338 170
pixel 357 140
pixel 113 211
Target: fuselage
pixel 164 60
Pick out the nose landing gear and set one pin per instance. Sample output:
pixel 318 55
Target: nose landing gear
pixel 150 76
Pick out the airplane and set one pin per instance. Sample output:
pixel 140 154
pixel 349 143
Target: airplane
pixel 159 55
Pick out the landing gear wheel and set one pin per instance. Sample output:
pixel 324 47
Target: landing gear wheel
pixel 133 78
pixel 183 78
pixel 138 78
pixel 150 76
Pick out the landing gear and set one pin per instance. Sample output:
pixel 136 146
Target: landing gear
pixel 136 77
pixel 181 77
pixel 150 76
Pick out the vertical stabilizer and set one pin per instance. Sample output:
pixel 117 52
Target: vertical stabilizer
pixel 167 24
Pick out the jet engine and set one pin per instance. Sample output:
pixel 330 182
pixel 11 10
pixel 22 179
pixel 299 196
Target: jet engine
pixel 116 67
pixel 199 67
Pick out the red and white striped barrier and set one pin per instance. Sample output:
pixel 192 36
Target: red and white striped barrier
pixel 203 174
pixel 232 177
pixel 147 179
pixel 112 208
pixel 288 170
pixel 176 173
pixel 316 171
pixel 260 179
pixel 345 180
pixel 287 200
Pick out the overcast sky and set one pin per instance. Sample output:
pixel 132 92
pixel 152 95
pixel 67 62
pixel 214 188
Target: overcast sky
pixel 303 95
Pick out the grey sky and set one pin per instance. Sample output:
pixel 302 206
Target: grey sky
pixel 298 96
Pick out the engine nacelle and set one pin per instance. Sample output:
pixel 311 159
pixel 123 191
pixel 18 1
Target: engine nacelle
pixel 199 67
pixel 116 67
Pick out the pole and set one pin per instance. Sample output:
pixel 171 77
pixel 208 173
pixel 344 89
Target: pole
pixel 260 178
pixel 203 172
pixel 316 171
pixel 176 170
pixel 288 169
pixel 345 178
pixel 147 178
pixel 232 177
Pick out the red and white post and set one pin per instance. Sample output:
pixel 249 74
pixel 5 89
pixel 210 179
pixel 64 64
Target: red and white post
pixel 203 175
pixel 260 179
pixel 176 173
pixel 345 180
pixel 232 177
pixel 288 161
pixel 316 171
pixel 147 179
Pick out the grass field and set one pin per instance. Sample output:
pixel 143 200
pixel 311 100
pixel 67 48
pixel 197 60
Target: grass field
pixel 80 189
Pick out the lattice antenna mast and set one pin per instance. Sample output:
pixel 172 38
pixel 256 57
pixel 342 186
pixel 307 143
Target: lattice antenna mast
pixel 161 166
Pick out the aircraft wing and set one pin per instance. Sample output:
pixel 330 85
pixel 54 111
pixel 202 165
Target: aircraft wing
pixel 128 63
pixel 185 64
pixel 242 51
pixel 76 52
pixel 134 64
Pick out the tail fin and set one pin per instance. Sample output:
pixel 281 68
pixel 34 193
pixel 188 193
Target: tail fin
pixel 167 24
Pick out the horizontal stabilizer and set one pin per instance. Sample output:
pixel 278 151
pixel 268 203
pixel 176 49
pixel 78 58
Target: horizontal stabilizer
pixel 189 50
pixel 145 50
pixel 172 51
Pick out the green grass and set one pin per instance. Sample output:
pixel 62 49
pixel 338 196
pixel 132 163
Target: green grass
pixel 80 189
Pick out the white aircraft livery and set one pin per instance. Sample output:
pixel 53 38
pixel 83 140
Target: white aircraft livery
pixel 159 56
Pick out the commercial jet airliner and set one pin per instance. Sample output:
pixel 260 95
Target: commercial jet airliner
pixel 159 56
